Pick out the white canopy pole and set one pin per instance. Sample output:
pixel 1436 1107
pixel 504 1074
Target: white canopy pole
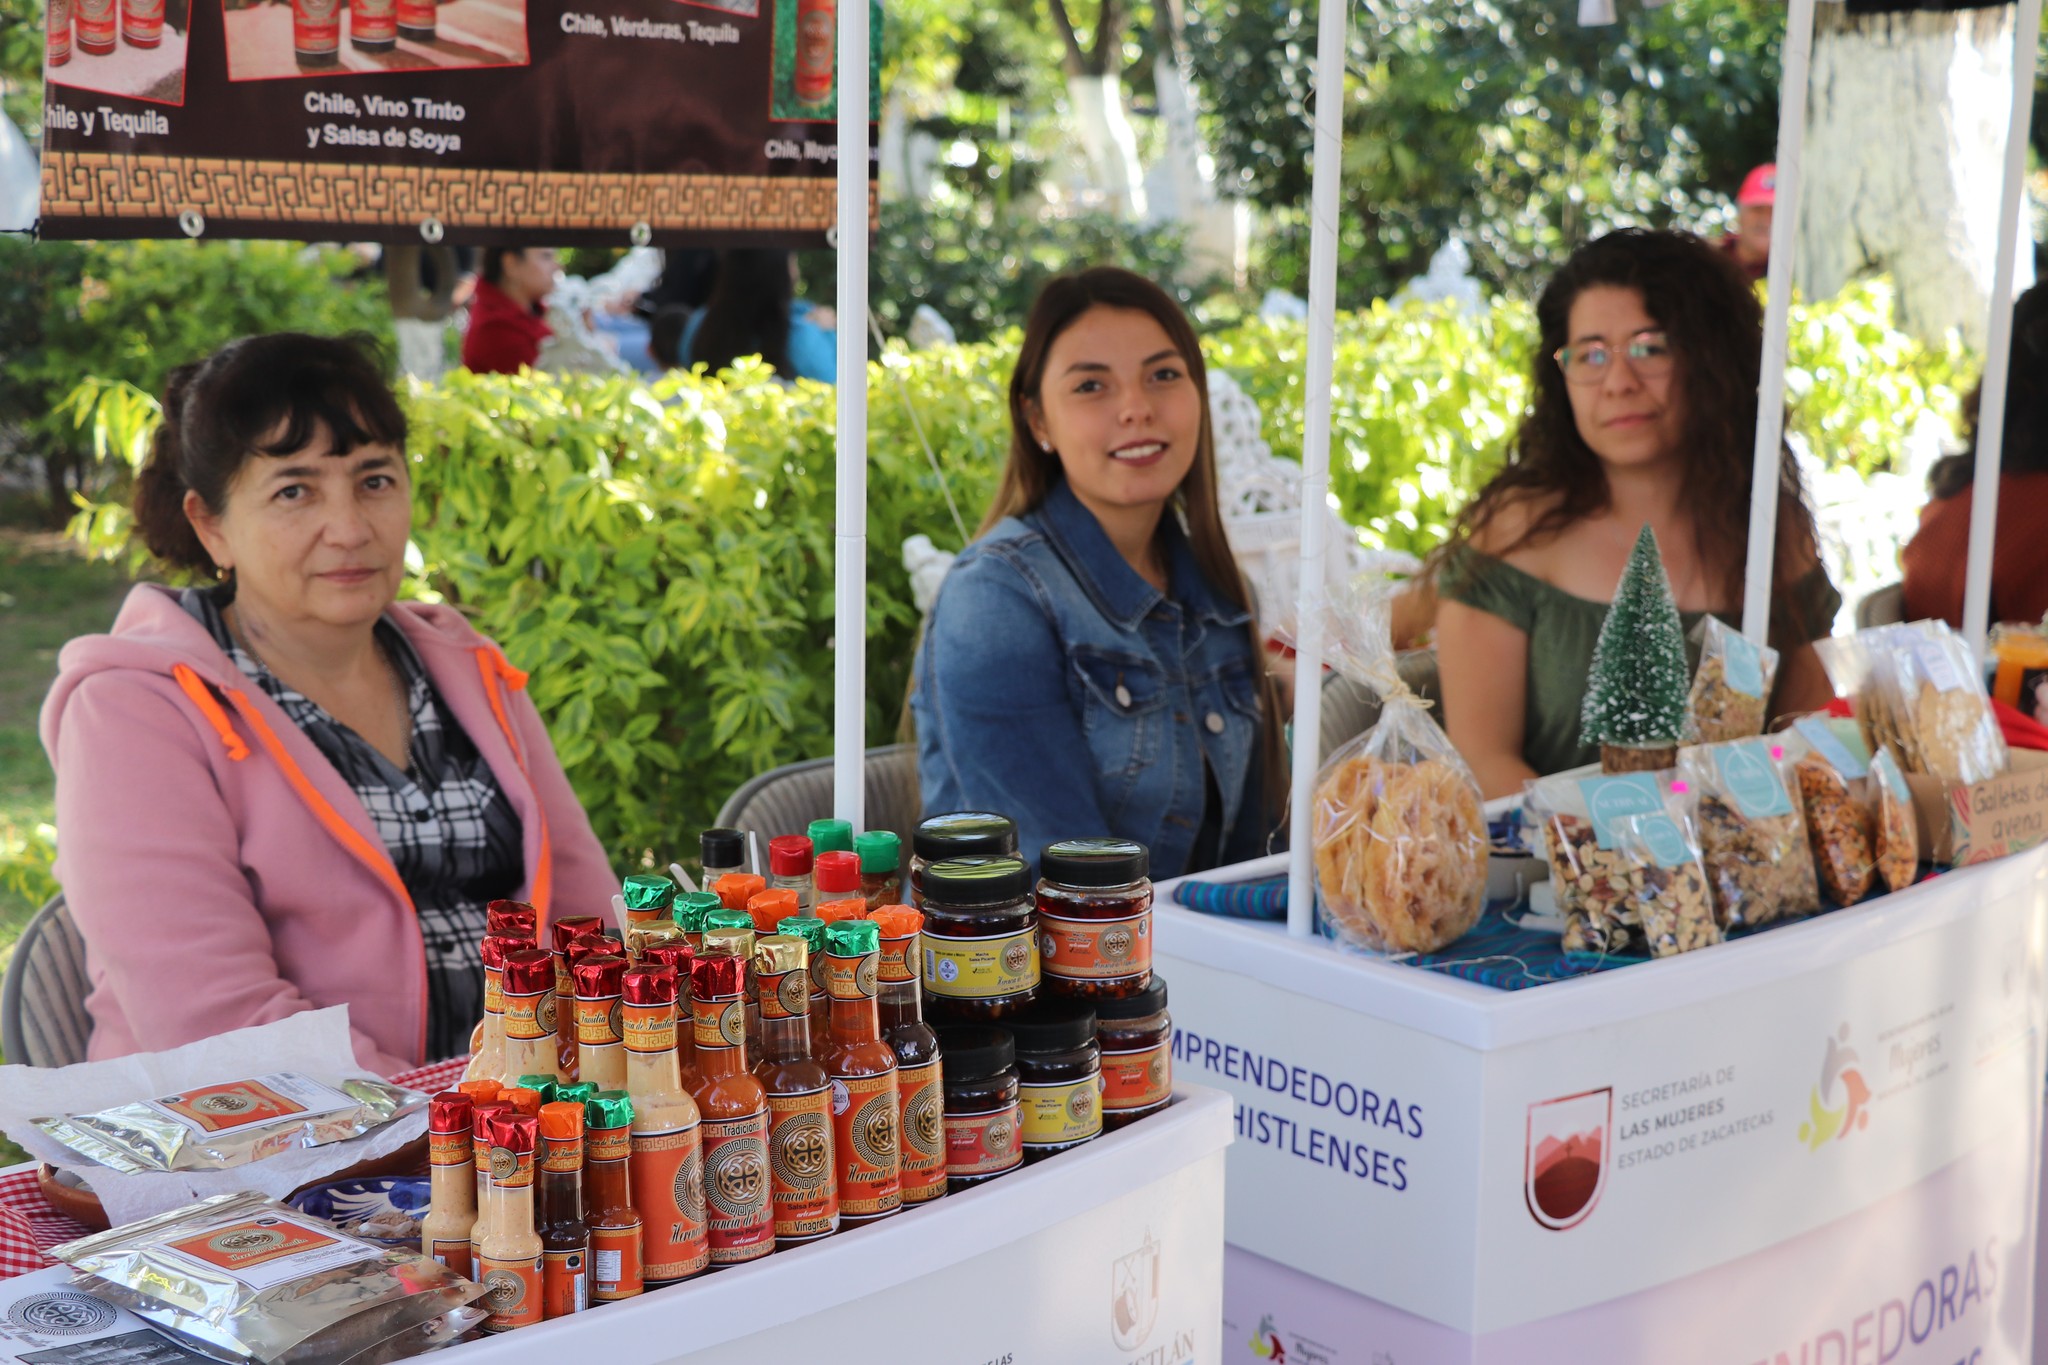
pixel 850 608
pixel 1333 18
pixel 1998 348
pixel 1770 406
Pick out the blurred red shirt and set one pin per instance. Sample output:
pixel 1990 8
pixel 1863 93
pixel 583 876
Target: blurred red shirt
pixel 1937 558
pixel 503 335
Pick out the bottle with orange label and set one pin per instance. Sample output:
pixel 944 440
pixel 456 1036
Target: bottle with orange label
pixel 863 1072
pixel 1135 1034
pixel 737 940
pixel 668 1138
pixel 607 1197
pixel 528 989
pixel 600 1051
pixel 564 1237
pixel 920 1086
pixel 480 1158
pixel 737 1197
pixel 690 911
pixel 681 957
pixel 512 919
pixel 811 930
pixel 451 1211
pixel 566 931
pixel 805 1191
pixel 509 1250
pixel 488 1063
pixel 649 899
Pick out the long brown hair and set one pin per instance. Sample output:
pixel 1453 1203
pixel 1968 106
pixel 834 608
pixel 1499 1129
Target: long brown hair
pixel 1032 472
pixel 1714 320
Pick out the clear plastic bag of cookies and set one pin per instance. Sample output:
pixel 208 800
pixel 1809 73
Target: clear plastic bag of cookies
pixel 1838 827
pixel 1895 834
pixel 1593 878
pixel 1731 688
pixel 1944 707
pixel 1668 880
pixel 1399 830
pixel 1751 834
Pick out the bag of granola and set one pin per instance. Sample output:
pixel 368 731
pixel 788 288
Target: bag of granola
pixel 1837 828
pixel 1668 880
pixel 1897 836
pixel 1731 688
pixel 1399 828
pixel 1591 876
pixel 1751 834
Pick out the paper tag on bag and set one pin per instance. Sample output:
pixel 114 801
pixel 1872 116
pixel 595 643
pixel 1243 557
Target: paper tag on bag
pixel 1741 665
pixel 1610 798
pixel 1752 780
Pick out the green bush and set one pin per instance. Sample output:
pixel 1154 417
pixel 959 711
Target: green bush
pixel 662 560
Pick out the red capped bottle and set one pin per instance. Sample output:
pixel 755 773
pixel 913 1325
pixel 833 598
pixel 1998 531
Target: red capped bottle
pixel 805 1189
pixel 508 1249
pixel 668 1136
pixel 737 1196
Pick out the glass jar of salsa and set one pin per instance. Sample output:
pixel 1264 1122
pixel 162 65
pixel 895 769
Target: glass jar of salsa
pixel 980 1083
pixel 958 834
pixel 1059 1071
pixel 980 939
pixel 1095 917
pixel 1135 1034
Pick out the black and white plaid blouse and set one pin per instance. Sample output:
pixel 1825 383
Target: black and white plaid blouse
pixel 451 833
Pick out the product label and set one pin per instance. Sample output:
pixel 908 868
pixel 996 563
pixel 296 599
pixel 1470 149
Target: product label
pixel 608 1144
pixel 564 1285
pixel 522 1018
pixel 736 1188
pixel 1886 769
pixel 142 22
pixel 600 1020
pixel 234 1105
pixel 451 1149
pixel 921 1121
pixel 516 1293
pixel 983 1144
pixel 265 1252
pixel 1850 759
pixel 864 1119
pixel 563 1156
pixel 899 959
pixel 494 990
pixel 1661 836
pixel 1138 1079
pixel 668 1194
pixel 721 1022
pixel 1751 779
pixel 416 14
pixel 454 1255
pixel 615 1263
pixel 800 1163
pixel 511 1170
pixel 96 19
pixel 316 25
pixel 1936 665
pixel 818 991
pixel 648 1028
pixel 1609 798
pixel 981 968
pixel 785 995
pixel 1068 1112
pixel 851 978
pixel 1741 665
pixel 1095 949
pixel 549 1011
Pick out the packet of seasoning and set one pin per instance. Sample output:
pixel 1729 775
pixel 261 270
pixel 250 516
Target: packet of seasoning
pixel 243 1278
pixel 1731 685
pixel 234 1123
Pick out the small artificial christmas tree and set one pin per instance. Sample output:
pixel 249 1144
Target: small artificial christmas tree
pixel 1636 690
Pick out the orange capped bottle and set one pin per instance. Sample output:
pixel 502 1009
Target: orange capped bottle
pixel 668 1137
pixel 527 993
pixel 735 889
pixel 451 1211
pixel 600 1052
pixel 863 1071
pixel 920 1085
pixel 805 1189
pixel 735 1110
pixel 770 908
pixel 607 1198
pixel 564 1237
pixel 508 1249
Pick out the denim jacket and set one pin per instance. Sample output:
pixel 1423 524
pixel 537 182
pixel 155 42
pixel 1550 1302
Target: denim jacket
pixel 1058 687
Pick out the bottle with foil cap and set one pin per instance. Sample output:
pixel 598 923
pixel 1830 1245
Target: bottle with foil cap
pixel 607 1198
pixel 508 1249
pixel 547 1087
pixel 881 867
pixel 648 898
pixel 642 937
pixel 528 995
pixel 451 1208
pixel 488 1061
pixel 832 912
pixel 769 908
pixel 668 1138
pixel 480 1159
pixel 512 919
pixel 835 876
pixel 563 932
pixel 958 834
pixel 865 1108
pixel 738 1201
pixel 789 864
pixel 805 1188
pixel 811 930
pixel 690 911
pixel 735 889
pixel 564 1236
pixel 980 940
pixel 738 941
pixel 920 1092
pixel 720 851
pixel 829 836
pixel 681 957
pixel 600 1050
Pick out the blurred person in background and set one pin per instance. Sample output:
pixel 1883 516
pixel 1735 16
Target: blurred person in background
pixel 753 310
pixel 1749 246
pixel 506 316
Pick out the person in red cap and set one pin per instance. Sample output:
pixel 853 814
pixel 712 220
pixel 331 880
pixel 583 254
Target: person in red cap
pixel 1750 243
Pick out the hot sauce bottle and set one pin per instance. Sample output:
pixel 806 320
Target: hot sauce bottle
pixel 852 907
pixel 98 22
pixel 789 865
pixel 489 1061
pixel 528 989
pixel 863 1071
pixel 811 930
pixel 690 911
pixel 817 31
pixel 451 1212
pixel 836 877
pixel 564 1238
pixel 57 48
pixel 735 889
pixel 735 1109
pixel 480 1158
pixel 648 900
pixel 566 931
pixel 920 1088
pixel 769 908
pixel 600 1052
pixel 805 1194
pixel 509 1251
pixel 372 24
pixel 668 1137
pixel 416 20
pixel 512 919
pixel 142 22
pixel 607 1199
pixel 738 941
pixel 681 957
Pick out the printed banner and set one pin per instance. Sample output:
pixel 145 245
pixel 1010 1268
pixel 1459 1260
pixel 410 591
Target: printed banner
pixel 671 122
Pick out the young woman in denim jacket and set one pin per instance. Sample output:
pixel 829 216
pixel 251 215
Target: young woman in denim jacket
pixel 1091 665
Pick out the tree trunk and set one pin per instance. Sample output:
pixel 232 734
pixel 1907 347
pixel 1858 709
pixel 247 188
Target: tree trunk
pixel 1181 187
pixel 1904 157
pixel 1107 141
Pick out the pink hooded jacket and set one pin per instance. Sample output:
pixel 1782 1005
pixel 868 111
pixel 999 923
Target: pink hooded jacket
pixel 222 872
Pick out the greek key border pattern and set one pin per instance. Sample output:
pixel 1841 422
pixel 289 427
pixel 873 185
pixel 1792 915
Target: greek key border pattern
pixel 104 185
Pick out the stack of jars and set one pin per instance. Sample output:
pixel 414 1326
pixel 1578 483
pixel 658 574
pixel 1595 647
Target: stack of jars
pixel 1053 1026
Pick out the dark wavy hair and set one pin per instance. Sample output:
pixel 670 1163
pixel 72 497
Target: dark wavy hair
pixel 1715 323
pixel 2025 447
pixel 748 312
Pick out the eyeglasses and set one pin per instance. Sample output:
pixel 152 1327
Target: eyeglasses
pixel 1648 354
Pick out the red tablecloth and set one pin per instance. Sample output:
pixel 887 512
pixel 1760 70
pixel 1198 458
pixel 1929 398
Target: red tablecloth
pixel 29 1226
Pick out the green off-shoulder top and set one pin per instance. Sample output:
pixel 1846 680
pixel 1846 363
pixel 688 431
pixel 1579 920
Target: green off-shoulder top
pixel 1562 630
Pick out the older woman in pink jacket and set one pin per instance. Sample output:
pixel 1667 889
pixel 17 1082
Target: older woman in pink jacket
pixel 290 790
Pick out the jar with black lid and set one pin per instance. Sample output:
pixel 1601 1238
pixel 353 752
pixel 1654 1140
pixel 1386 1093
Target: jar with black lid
pixel 980 940
pixel 1059 1070
pixel 958 834
pixel 1095 917
pixel 1136 1036
pixel 982 1132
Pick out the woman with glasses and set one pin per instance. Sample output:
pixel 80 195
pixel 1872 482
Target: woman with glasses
pixel 1644 411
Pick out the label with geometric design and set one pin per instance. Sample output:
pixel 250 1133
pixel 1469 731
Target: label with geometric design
pixel 922 1129
pixel 648 1028
pixel 514 1293
pixel 736 1188
pixel 981 968
pixel 522 1016
pixel 800 1161
pixel 1095 949
pixel 1070 1111
pixel 264 1252
pixel 864 1143
pixel 720 1022
pixel 1137 1079
pixel 983 1144
pixel 667 1180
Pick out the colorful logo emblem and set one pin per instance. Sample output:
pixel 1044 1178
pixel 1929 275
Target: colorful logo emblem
pixel 1134 1296
pixel 1840 1104
pixel 1565 1160
pixel 1265 1342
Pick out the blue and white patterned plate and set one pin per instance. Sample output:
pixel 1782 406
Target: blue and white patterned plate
pixel 346 1203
